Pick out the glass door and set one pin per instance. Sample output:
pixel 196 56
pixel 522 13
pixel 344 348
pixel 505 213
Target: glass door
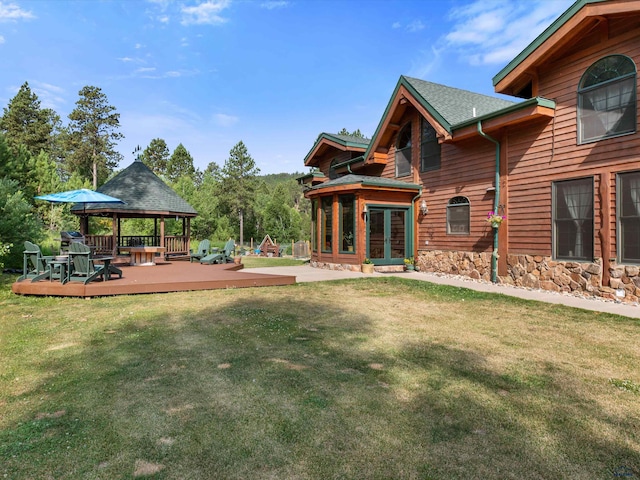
pixel 387 235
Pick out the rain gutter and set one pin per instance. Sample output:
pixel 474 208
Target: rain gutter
pixel 494 255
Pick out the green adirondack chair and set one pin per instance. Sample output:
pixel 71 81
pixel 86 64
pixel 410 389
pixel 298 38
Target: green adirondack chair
pixel 35 266
pixel 225 256
pixel 83 269
pixel 202 251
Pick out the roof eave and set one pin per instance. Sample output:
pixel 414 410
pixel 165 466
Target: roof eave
pixel 402 82
pixel 532 102
pixel 557 32
pixel 332 141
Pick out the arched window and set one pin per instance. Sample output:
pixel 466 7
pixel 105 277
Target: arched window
pixel 607 99
pixel 429 148
pixel 458 216
pixel 403 152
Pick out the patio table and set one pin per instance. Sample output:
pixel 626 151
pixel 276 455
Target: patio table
pixel 60 269
pixel 108 269
pixel 144 255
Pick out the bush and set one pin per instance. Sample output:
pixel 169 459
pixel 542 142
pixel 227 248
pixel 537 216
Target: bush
pixel 17 222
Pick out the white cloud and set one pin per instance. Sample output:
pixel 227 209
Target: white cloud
pixel 429 61
pixel 495 31
pixel 412 27
pixel 223 120
pixel 51 96
pixel 1 39
pixel 415 26
pixel 12 12
pixel 206 13
pixel 273 4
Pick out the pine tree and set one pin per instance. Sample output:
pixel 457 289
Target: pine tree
pixel 92 136
pixel 25 123
pixel 156 156
pixel 180 164
pixel 239 183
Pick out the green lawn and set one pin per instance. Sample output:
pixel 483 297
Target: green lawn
pixel 374 378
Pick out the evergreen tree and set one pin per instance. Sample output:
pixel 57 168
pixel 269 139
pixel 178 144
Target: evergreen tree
pixel 180 164
pixel 156 156
pixel 239 183
pixel 355 133
pixel 25 123
pixel 281 221
pixel 92 136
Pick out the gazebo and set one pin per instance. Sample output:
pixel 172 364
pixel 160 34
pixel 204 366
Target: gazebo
pixel 145 196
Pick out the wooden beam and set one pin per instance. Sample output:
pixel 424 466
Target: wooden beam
pixel 604 234
pixel 513 118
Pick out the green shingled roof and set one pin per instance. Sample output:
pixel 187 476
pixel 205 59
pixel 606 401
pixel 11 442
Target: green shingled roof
pixel 142 191
pixel 349 140
pixel 452 106
pixel 367 181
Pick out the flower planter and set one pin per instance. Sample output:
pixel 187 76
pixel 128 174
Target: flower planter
pixel 367 268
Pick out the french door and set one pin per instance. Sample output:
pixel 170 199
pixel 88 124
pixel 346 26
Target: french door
pixel 388 235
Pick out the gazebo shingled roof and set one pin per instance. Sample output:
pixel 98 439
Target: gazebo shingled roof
pixel 145 194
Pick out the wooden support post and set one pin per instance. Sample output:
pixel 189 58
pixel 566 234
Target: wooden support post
pixel 115 227
pixel 162 238
pixel 604 234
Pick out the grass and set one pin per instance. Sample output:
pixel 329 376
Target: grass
pixel 367 378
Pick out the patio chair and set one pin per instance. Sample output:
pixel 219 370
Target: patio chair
pixel 203 250
pixel 83 269
pixel 35 266
pixel 225 256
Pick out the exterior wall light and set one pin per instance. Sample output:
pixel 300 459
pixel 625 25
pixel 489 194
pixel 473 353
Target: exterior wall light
pixel 423 207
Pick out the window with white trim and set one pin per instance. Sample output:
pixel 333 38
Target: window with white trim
pixel 403 152
pixel 573 219
pixel 607 99
pixel 628 191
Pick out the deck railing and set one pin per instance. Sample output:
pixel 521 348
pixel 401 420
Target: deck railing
pixel 174 244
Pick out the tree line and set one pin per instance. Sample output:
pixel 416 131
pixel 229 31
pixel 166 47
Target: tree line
pixel 39 154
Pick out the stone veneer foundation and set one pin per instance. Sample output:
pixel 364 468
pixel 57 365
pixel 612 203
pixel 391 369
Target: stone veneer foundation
pixel 537 271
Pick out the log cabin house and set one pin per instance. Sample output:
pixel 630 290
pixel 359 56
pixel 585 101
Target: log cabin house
pixel 561 163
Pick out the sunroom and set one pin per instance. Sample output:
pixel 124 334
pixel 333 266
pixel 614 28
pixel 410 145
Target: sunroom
pixel 358 216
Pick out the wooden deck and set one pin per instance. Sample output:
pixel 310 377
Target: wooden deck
pixel 160 278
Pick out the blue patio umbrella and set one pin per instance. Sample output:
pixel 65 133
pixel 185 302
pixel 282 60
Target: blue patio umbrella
pixel 82 196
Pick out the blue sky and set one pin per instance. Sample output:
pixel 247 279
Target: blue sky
pixel 272 73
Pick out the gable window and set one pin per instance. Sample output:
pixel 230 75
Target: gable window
pixel 327 224
pixel 629 217
pixel 347 223
pixel 607 99
pixel 458 216
pixel 403 152
pixel 429 148
pixel 332 169
pixel 573 219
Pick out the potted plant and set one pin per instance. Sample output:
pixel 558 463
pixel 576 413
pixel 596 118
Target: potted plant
pixel 367 266
pixel 408 263
pixel 495 219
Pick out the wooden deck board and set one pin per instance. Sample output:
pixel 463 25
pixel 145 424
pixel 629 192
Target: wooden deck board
pixel 159 278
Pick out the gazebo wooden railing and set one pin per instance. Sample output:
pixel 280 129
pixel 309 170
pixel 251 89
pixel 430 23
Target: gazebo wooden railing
pixel 175 244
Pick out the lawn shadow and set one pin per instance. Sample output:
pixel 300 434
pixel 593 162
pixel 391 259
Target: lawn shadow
pixel 287 387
